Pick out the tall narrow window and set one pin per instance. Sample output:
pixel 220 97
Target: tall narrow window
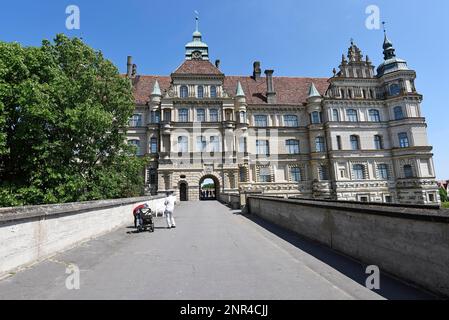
pixel 213 91
pixel 201 144
pixel 167 115
pixel 352 115
pixel 184 92
pixel 264 174
pixel 213 114
pixel 243 146
pixel 295 174
pixel 382 169
pixel 292 146
pixel 403 140
pixel 374 115
pixel 214 144
pixel 200 92
pixel 242 117
pixel 155 116
pixel 183 115
pixel 359 172
pixel 261 121
pixel 323 173
pixel 183 144
pixel 315 117
pixel 242 174
pixel 335 115
pixel 378 143
pixel 398 113
pixel 339 147
pixel 200 115
pixel 408 171
pixel 319 144
pixel 291 121
pixel 355 142
pixel 153 145
pixel 262 147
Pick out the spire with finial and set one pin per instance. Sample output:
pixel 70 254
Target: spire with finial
pixel 156 89
pixel 239 92
pixel 197 49
pixel 313 92
pixel 389 51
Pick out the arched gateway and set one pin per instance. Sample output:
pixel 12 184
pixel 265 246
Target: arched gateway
pixel 209 188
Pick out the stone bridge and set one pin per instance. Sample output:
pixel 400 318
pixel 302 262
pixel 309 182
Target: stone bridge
pixel 214 253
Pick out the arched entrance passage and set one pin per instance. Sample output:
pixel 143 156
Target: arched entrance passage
pixel 183 194
pixel 209 188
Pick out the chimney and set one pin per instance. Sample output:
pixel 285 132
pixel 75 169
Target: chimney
pixel 271 94
pixel 217 64
pixel 256 70
pixel 129 66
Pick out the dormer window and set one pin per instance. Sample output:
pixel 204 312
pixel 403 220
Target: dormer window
pixel 184 92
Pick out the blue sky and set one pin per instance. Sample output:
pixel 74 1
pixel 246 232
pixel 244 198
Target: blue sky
pixel 293 37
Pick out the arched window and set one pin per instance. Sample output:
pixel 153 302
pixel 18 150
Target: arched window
pixel 292 146
pixel 335 115
pixel 315 117
pixel 291 120
pixel 352 115
pixel 378 143
pixel 355 142
pixel 319 144
pixel 408 171
pixel 398 113
pixel 374 115
pixel 213 91
pixel 200 92
pixel 403 140
pixel 183 144
pixel 359 171
pixel 184 92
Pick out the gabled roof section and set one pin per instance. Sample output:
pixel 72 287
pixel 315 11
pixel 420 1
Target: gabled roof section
pixel 143 87
pixel 197 67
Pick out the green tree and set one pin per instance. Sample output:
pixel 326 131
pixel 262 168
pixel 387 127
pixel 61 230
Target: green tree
pixel 443 195
pixel 63 108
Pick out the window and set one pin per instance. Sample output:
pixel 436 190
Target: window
pixel 315 117
pixel 213 91
pixel 359 171
pixel 183 115
pixel 242 174
pixel 403 140
pixel 292 146
pixel 155 116
pixel 295 174
pixel 136 143
pixel 323 173
pixel 374 115
pixel 261 121
pixel 408 171
pixel 242 117
pixel 214 144
pixel 152 176
pixel 136 120
pixel 200 115
pixel 355 142
pixel 335 115
pixel 398 113
pixel 183 144
pixel 431 197
pixel 319 144
pixel 213 113
pixel 291 121
pixel 201 144
pixel 382 169
pixel 339 147
pixel 243 144
pixel 352 115
pixel 264 174
pixel 378 143
pixel 395 89
pixel 200 92
pixel 184 92
pixel 167 115
pixel 262 147
pixel 153 145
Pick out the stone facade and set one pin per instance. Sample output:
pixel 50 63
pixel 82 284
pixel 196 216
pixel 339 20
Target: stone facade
pixel 359 135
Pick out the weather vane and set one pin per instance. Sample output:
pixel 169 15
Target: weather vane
pixel 197 17
pixel 383 24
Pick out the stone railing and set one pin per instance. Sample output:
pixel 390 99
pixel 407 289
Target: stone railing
pixel 33 233
pixel 410 242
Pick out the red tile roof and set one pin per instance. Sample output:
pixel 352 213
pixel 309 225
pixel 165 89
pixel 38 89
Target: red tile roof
pixel 289 91
pixel 204 67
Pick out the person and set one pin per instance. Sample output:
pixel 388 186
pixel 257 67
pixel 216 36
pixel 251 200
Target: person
pixel 169 209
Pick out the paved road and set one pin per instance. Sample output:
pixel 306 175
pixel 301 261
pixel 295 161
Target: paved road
pixel 215 253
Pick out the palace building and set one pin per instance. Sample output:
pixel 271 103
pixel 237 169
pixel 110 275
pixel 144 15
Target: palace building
pixel 359 135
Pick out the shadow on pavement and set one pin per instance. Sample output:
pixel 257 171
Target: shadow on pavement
pixel 390 288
